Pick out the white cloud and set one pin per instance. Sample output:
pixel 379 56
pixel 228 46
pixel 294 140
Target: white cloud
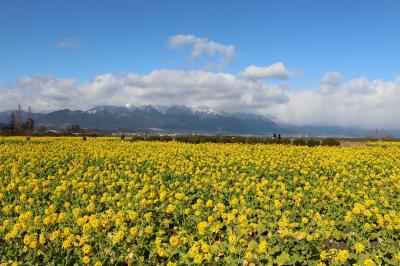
pixel 330 82
pixel 69 43
pixel 331 78
pixel 220 91
pixel 201 46
pixel 357 103
pixel 361 85
pixel 277 71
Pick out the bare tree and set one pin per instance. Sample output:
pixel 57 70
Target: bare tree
pixel 373 134
pixel 18 118
pixel 387 136
pixel 30 124
pixel 12 122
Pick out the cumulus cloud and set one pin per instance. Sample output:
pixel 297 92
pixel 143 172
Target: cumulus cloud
pixel 330 82
pixel 361 85
pixel 331 78
pixel 220 91
pixel 356 103
pixel 200 46
pixel 277 71
pixel 69 43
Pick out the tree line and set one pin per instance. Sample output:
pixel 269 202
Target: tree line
pixel 21 122
pixel 238 139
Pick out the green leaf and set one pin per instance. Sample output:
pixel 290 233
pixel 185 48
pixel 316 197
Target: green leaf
pixel 283 258
pixel 338 235
pixel 353 256
pixel 296 258
pixel 375 236
pixel 261 228
pixel 390 261
pixel 392 249
pixel 274 250
pixel 253 245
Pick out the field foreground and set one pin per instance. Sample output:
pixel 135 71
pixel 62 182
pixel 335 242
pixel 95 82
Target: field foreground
pixel 101 201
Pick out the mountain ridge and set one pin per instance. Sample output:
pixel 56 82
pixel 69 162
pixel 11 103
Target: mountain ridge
pixel 177 119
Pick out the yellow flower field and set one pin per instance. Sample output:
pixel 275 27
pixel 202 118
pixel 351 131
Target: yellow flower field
pixel 102 201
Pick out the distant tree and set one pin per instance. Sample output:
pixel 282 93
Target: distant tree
pixel 387 136
pixel 17 121
pixel 75 128
pixel 42 128
pixel 373 134
pixel 18 118
pixel 12 122
pixel 330 142
pixel 30 124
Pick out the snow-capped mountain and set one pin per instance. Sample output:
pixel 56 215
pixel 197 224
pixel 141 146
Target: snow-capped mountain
pixel 205 111
pixel 177 118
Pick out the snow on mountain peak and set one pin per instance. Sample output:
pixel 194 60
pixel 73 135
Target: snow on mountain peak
pixel 202 111
pixel 205 111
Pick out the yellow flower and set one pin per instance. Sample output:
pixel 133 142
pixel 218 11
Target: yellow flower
pixel 86 260
pixel 91 207
pixel 28 239
pixel 42 238
pixel 148 216
pixel 66 193
pixel 170 208
pixel 118 237
pixel 232 250
pixel 67 244
pixel 209 203
pixel 132 215
pixel 248 255
pixel 262 246
pixel 134 231
pixel 174 240
pixel 232 239
pixel 300 235
pixel 180 196
pixel 33 244
pixel 358 208
pixel 198 259
pixel 87 249
pixel 342 256
pixel 348 218
pixel 202 227
pixel 62 216
pixel 397 256
pixel 359 247
pixel 323 255
pixel 148 229
pixel 368 262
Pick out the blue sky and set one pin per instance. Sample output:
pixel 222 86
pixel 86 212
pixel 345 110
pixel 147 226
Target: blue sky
pixel 353 37
pixel 268 57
